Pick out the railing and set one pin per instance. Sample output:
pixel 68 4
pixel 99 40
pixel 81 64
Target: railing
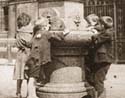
pixel 115 9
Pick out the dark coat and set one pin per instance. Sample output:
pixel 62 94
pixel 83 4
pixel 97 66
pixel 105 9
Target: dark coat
pixel 41 47
pixel 103 47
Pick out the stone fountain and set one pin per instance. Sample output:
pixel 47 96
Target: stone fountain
pixel 66 71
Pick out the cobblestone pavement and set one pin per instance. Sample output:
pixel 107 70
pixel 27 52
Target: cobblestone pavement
pixel 114 84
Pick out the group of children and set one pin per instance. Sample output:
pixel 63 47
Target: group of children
pixel 100 56
pixel 33 42
pixel 34 50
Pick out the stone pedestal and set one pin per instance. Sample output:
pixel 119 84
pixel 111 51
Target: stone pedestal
pixel 67 68
pixel 65 82
pixel 66 71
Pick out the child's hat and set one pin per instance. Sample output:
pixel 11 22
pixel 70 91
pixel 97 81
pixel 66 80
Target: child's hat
pixel 107 21
pixel 92 19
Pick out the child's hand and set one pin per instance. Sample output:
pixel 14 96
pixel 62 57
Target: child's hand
pixel 66 32
pixel 38 35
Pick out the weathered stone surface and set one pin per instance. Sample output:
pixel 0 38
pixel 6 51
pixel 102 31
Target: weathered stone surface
pixel 59 0
pixel 55 95
pixel 70 12
pixel 75 38
pixel 65 82
pixel 79 36
pixel 66 75
pixel 63 88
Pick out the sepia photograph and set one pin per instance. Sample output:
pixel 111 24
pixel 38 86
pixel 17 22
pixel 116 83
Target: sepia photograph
pixel 62 48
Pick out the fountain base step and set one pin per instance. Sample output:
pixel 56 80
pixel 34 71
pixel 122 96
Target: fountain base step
pixel 62 95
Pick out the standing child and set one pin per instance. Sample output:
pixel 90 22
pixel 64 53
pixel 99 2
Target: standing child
pixel 23 37
pixel 103 55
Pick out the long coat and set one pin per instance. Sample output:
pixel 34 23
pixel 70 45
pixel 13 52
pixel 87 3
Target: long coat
pixel 41 50
pixel 22 41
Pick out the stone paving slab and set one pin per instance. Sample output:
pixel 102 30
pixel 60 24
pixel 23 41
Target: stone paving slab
pixel 115 81
pixel 7 84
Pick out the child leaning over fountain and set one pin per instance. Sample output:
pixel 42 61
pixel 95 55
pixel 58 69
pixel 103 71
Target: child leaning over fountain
pixel 40 54
pixel 100 55
pixel 103 55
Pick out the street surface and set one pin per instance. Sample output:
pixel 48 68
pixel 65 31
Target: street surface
pixel 114 84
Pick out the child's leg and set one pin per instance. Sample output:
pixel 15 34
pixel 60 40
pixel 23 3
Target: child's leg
pixel 32 88
pixel 27 88
pixel 19 84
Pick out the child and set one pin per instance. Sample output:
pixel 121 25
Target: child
pixel 94 24
pixel 103 55
pixel 23 37
pixel 40 54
